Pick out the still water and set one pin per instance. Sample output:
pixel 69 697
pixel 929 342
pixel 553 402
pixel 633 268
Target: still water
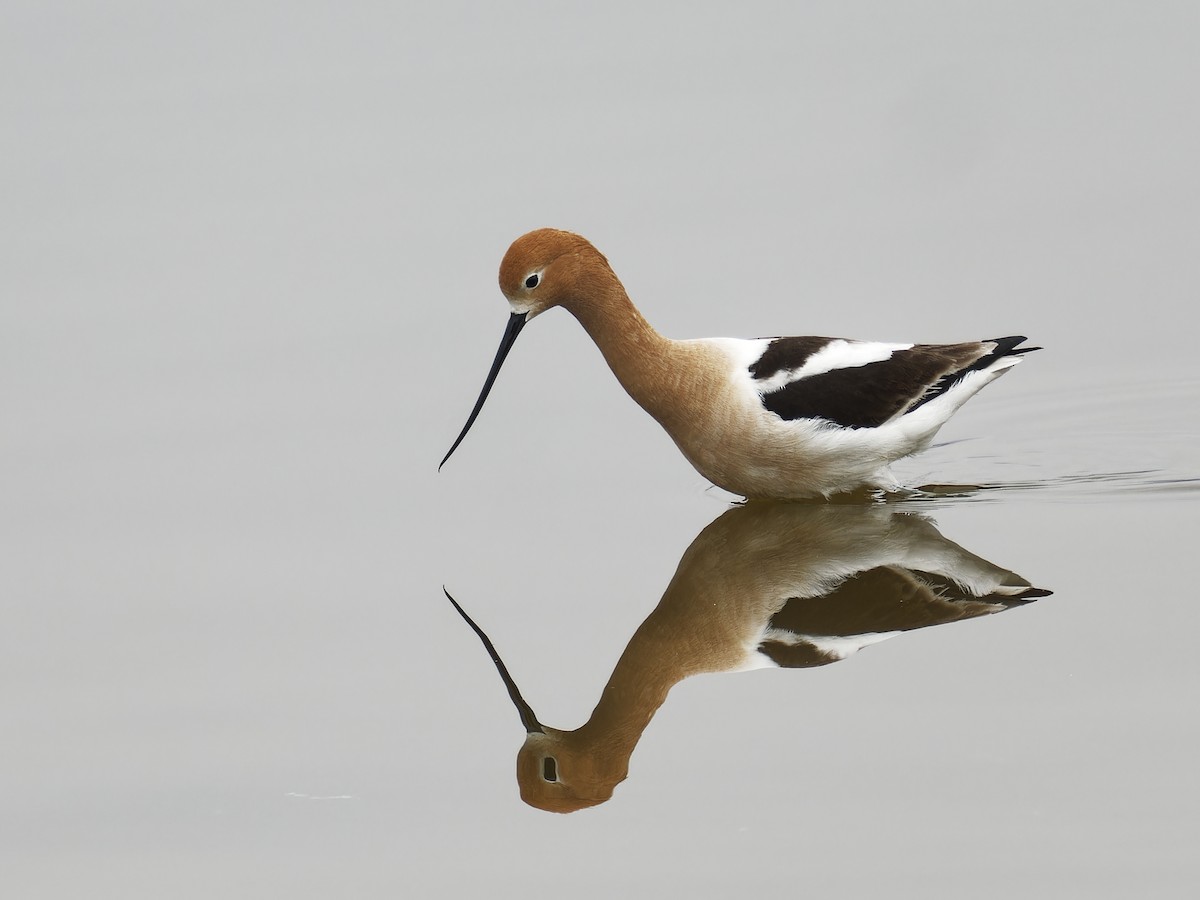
pixel 984 688
pixel 248 295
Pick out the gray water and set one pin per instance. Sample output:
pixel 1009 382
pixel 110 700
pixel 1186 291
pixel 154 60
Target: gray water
pixel 248 296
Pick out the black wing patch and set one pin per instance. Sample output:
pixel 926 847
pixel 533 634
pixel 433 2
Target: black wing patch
pixel 886 598
pixel 866 396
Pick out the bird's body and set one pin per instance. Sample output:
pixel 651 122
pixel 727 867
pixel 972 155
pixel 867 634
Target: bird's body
pixel 768 418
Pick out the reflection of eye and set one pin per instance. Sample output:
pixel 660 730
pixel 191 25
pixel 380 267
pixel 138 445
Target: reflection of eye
pixel 531 281
pixel 549 769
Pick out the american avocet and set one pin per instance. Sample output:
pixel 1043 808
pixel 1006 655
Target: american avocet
pixel 776 417
pixel 789 585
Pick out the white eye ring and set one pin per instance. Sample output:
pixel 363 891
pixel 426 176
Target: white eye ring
pixel 532 281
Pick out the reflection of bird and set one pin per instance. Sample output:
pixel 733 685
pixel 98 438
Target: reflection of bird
pixel 769 418
pixel 766 584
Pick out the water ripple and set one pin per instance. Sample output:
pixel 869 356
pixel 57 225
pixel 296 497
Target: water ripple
pixel 1092 437
pixel 1139 484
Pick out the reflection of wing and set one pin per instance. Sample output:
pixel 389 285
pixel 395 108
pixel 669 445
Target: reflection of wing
pixel 872 606
pixel 859 384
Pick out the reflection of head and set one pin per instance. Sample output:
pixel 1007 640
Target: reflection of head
pixel 562 771
pixel 558 776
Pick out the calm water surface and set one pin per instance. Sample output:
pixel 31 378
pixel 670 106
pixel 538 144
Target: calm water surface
pixel 248 296
pixel 194 720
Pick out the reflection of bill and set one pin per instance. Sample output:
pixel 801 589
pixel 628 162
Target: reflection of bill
pixel 766 584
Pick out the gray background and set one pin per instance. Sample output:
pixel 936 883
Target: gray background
pixel 247 296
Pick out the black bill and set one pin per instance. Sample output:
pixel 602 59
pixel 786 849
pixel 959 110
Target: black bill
pixel 528 719
pixel 516 322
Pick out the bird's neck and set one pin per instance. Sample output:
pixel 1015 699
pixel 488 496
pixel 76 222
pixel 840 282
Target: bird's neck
pixel 635 691
pixel 639 356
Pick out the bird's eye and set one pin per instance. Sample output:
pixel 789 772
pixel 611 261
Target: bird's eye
pixel 549 769
pixel 532 281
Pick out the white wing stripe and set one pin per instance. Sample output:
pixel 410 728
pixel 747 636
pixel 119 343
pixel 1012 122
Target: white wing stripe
pixel 837 354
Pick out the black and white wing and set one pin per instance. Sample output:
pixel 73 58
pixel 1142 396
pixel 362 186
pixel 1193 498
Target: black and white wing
pixel 862 384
